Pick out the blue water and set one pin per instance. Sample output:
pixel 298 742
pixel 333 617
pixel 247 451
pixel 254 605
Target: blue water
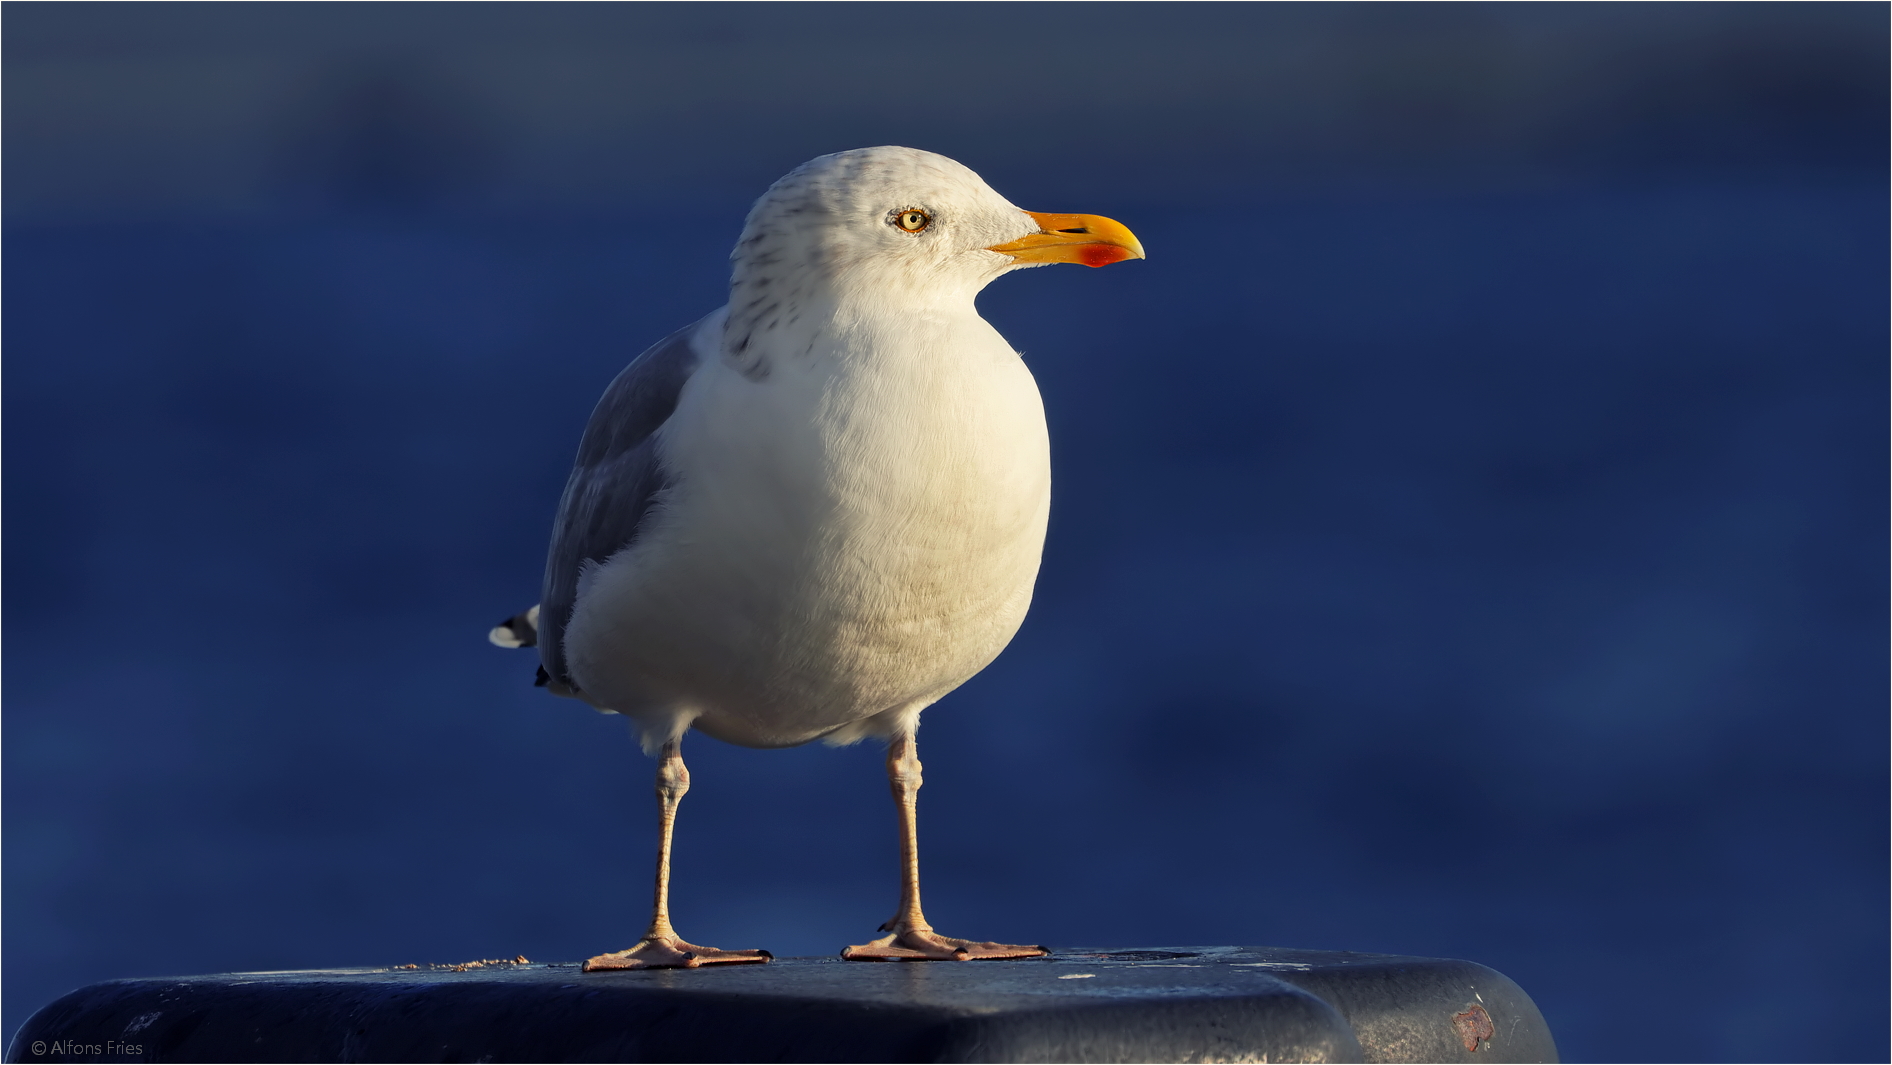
pixel 1492 575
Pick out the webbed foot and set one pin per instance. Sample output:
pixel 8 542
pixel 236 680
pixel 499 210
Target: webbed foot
pixel 669 952
pixel 923 944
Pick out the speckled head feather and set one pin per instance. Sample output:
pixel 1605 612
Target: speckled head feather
pixel 827 232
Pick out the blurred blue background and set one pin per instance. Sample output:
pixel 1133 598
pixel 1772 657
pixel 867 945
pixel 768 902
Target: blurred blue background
pixel 1468 541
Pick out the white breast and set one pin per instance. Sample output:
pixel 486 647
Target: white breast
pixel 855 534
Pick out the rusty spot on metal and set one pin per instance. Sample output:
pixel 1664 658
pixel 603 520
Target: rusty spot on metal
pixel 1473 1025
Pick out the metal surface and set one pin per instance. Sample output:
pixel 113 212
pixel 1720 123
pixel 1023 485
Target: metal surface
pixel 1179 1004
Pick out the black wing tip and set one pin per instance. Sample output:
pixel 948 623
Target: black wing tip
pixel 543 679
pixel 520 630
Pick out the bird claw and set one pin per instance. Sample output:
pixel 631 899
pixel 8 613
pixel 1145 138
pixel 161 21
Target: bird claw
pixel 913 944
pixel 672 953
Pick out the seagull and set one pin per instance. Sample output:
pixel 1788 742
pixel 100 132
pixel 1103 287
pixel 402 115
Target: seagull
pixel 819 509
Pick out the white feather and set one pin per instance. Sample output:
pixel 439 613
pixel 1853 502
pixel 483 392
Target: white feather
pixel 861 479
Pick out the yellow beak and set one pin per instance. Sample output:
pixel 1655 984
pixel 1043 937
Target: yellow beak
pixel 1074 238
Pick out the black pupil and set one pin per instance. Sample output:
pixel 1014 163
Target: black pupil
pixel 915 220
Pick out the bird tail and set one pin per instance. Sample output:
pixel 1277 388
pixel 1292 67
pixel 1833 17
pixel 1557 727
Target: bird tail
pixel 520 630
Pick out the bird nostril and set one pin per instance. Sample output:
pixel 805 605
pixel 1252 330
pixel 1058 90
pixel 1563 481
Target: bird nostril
pixel 1080 229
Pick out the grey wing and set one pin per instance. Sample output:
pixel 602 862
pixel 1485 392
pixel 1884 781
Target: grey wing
pixel 612 483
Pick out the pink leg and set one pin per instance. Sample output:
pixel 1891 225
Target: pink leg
pixel 912 939
pixel 660 948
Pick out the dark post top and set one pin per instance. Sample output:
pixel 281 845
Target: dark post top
pixel 1174 1004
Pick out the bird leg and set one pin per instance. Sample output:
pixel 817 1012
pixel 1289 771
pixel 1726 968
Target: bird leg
pixel 911 938
pixel 660 948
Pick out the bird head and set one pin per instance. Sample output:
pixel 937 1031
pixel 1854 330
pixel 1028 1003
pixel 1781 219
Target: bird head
pixel 893 225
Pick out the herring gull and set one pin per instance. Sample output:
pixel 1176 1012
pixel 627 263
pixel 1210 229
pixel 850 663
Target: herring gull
pixel 820 508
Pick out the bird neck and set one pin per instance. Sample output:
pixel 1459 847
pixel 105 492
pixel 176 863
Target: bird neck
pixel 772 318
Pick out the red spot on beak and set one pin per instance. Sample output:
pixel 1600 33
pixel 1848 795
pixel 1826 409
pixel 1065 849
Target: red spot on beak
pixel 1102 254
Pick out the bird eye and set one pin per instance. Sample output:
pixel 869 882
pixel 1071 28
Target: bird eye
pixel 913 221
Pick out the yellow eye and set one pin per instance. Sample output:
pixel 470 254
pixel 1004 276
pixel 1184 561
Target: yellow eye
pixel 913 221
